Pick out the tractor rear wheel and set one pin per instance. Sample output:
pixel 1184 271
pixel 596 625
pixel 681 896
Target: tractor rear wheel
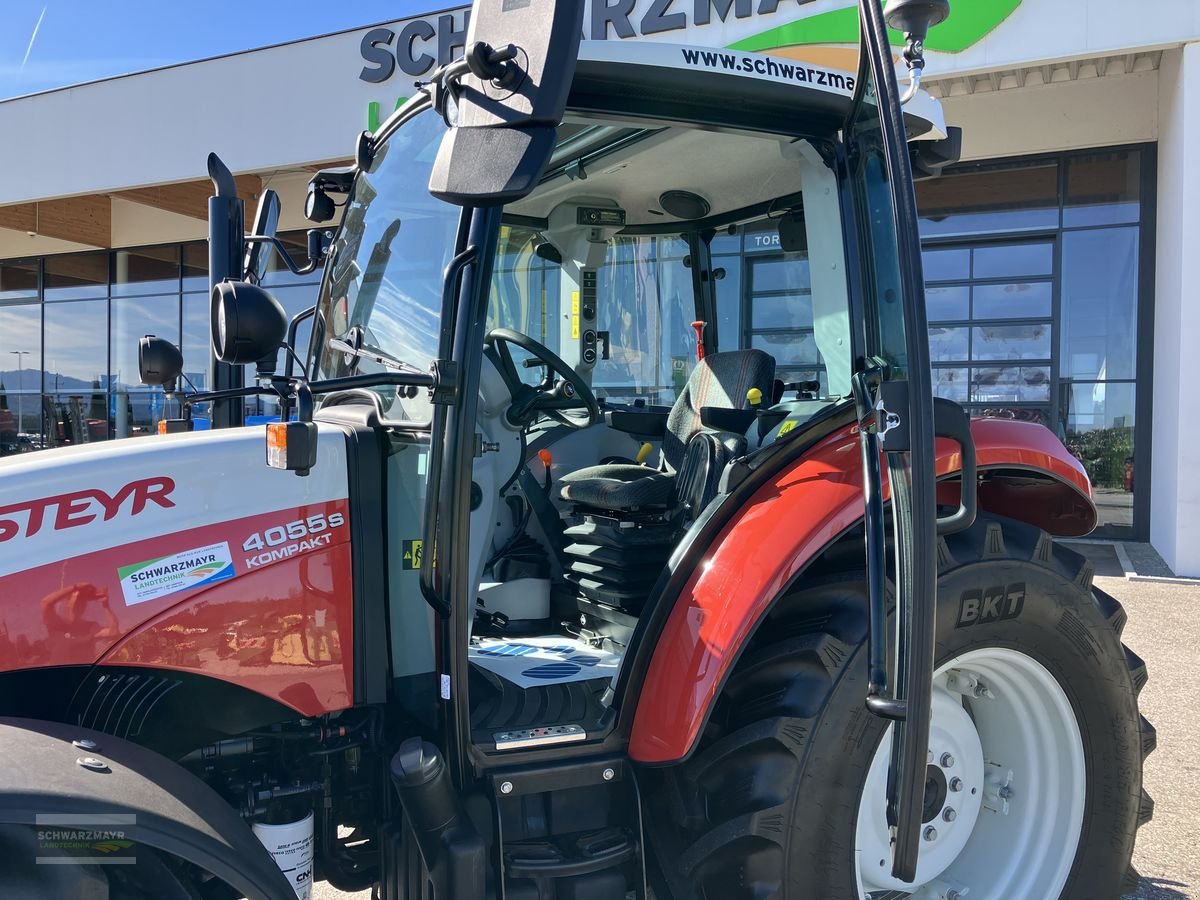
pixel 1034 778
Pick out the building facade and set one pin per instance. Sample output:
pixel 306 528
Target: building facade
pixel 1056 253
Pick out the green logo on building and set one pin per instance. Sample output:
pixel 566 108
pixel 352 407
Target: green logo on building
pixel 968 24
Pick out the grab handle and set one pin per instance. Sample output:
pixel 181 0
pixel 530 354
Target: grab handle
pixel 951 421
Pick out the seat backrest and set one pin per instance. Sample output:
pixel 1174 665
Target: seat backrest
pixel 721 380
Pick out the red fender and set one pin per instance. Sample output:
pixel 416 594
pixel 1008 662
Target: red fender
pixel 786 523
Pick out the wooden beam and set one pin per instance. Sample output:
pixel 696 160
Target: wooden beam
pixel 190 198
pixel 19 217
pixel 83 220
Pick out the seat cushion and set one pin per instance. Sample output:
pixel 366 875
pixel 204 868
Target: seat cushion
pixel 619 486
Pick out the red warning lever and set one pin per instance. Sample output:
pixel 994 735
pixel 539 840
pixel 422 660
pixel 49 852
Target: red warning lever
pixel 699 326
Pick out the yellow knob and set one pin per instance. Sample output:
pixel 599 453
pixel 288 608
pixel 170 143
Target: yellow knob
pixel 643 453
pixel 754 395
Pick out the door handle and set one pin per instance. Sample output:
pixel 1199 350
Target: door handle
pixel 951 421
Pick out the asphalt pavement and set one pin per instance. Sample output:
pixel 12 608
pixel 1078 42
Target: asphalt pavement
pixel 1163 629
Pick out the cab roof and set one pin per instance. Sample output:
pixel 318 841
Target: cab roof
pixel 706 85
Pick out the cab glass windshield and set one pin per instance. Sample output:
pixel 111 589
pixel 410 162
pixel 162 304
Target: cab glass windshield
pixel 618 302
pixel 383 286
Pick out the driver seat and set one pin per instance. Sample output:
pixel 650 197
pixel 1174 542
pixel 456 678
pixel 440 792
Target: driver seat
pixel 720 380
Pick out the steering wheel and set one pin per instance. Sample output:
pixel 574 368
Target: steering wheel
pixel 550 398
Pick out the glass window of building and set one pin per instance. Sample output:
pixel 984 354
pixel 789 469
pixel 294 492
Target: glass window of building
pixel 75 276
pixel 195 266
pixel 145 270
pixel 1013 198
pixel 1034 277
pixel 133 318
pixel 76 346
pixel 19 280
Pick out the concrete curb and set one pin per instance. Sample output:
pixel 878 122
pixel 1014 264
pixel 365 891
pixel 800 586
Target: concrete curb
pixel 1162 579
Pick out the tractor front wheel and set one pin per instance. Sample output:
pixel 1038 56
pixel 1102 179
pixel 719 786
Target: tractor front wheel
pixel 1033 784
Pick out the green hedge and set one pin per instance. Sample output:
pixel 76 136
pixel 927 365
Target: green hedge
pixel 1103 453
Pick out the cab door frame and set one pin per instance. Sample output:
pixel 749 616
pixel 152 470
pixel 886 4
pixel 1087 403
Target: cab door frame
pixel 896 382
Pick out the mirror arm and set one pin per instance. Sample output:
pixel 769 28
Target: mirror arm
pixel 310 266
pixel 914 58
pixel 293 327
pixel 251 391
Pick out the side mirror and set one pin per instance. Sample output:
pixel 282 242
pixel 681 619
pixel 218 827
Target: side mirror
pixel 505 99
pixel 266 223
pixel 248 325
pixel 159 361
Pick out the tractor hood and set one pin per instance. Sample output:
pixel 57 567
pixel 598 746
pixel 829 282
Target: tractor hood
pixel 96 541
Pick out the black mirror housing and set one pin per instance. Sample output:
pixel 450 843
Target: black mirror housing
pixel 248 324
pixel 505 100
pixel 159 361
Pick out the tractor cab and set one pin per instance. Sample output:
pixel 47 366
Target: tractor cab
pixel 632 362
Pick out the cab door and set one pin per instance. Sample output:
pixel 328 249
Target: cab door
pixel 893 389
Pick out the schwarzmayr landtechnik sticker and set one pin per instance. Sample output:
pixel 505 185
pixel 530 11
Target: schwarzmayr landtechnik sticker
pixel 165 575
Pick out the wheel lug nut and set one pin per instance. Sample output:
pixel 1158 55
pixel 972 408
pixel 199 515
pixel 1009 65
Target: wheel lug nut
pixel 947 761
pixel 956 784
pixel 930 833
pixel 949 814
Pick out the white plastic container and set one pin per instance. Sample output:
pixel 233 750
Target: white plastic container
pixel 291 845
pixel 519 599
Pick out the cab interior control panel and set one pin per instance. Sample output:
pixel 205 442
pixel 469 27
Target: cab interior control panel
pixel 588 337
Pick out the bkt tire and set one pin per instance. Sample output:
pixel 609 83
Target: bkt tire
pixel 1034 782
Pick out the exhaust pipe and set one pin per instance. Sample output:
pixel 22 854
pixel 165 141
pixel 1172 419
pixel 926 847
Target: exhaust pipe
pixel 452 850
pixel 226 247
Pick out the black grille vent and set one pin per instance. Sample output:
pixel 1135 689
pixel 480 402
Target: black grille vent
pixel 121 703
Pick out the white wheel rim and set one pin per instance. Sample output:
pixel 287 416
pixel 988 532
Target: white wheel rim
pixel 1016 718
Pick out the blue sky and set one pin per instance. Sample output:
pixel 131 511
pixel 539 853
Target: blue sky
pixel 81 40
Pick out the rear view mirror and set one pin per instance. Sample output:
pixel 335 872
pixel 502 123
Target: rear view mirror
pixel 266 223
pixel 159 361
pixel 505 99
pixel 248 325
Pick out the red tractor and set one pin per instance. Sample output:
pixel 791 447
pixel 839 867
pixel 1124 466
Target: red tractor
pixel 591 556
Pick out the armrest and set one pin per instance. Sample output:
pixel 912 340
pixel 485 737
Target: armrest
pixel 644 423
pixel 722 418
